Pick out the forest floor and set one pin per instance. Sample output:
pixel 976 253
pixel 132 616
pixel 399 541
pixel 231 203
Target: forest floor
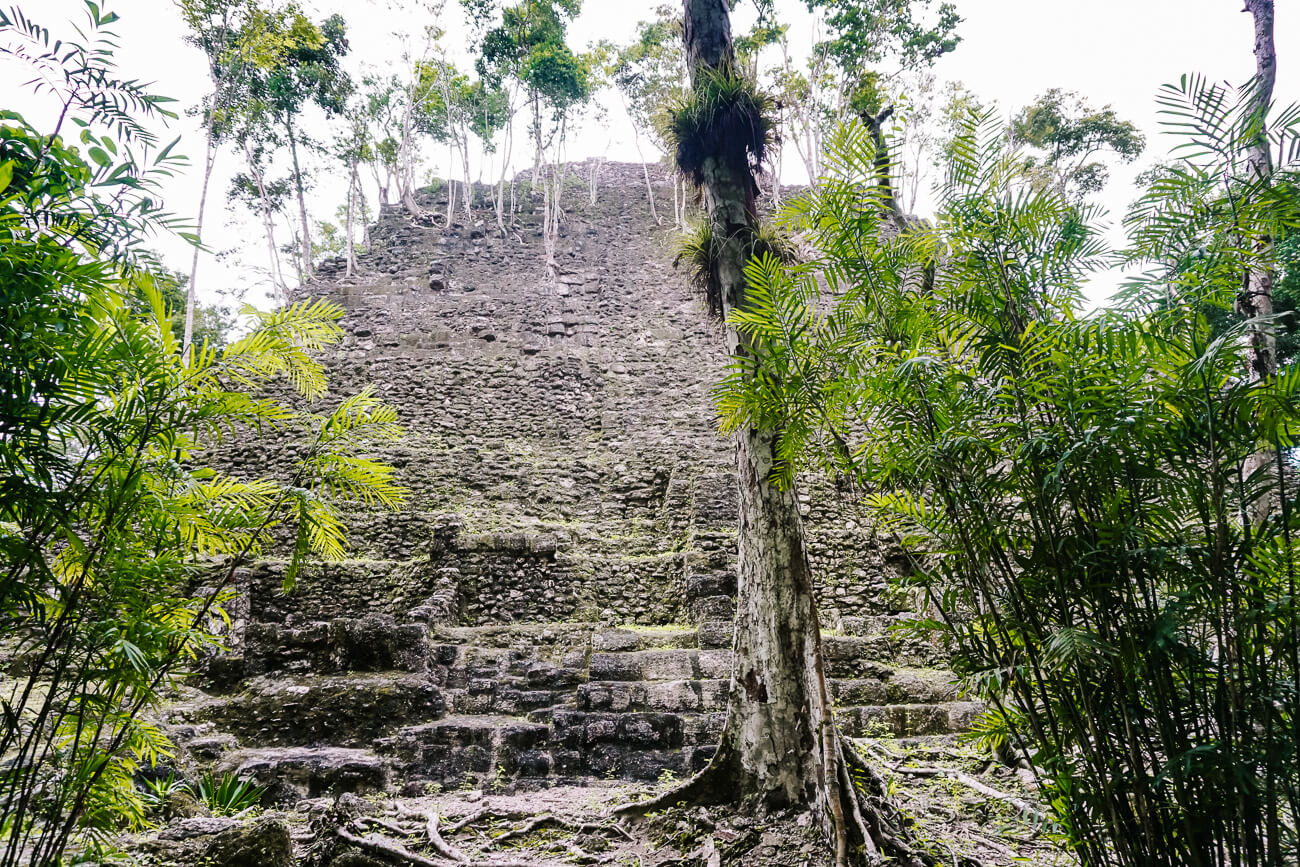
pixel 963 808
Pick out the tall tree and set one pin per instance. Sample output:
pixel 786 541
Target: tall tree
pixel 530 46
pixel 352 148
pixel 846 72
pixel 217 28
pixel 300 64
pixel 451 108
pixel 650 73
pixel 381 109
pixel 258 192
pixel 1070 134
pixel 779 747
pixel 1255 303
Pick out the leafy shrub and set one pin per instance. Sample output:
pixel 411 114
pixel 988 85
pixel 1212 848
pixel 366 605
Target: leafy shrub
pixel 228 794
pixel 108 520
pixel 1071 490
pixel 155 792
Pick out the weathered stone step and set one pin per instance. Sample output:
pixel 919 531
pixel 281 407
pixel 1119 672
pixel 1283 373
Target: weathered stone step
pixel 508 696
pixel 694 695
pixel 545 640
pixel 448 750
pixel 672 696
pixel 471 664
pixel 889 685
pixel 375 642
pixel 660 665
pixel 877 641
pixel 342 710
pixel 630 745
pixel 621 640
pixel 577 729
pixel 907 720
pixel 847 657
pixel 292 773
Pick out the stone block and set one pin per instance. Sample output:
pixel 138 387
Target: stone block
pixel 342 710
pixel 293 773
pixel 263 842
pixel 711 584
pixel 615 640
pixel 716 634
pixel 614 666
pixel 711 608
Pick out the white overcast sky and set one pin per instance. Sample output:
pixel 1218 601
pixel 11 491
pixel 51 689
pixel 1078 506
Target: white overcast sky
pixel 1115 52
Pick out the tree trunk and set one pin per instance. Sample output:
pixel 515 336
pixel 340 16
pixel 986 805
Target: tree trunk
pixel 553 177
pixel 677 212
pixel 381 184
pixel 779 745
pixel 304 244
pixel 405 163
pixel 507 148
pixel 596 163
pixel 277 274
pixel 645 169
pixel 354 185
pixel 468 189
pixel 191 295
pixel 1256 298
pixel 451 184
pixel 537 136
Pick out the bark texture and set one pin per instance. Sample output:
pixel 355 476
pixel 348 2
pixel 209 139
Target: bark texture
pixel 1256 297
pixel 304 242
pixel 779 745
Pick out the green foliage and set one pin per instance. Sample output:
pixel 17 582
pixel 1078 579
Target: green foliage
pixel 213 323
pixel 1070 133
pixel 109 522
pixel 1069 488
pixel 530 46
pixel 698 250
pixel 447 102
pixel 1211 184
pixel 724 117
pixel 866 43
pixel 228 794
pixel 299 63
pixel 865 31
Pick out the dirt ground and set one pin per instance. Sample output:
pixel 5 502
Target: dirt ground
pixel 965 811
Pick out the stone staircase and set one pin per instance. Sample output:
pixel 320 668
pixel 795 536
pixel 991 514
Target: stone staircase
pixel 565 469
pixel 369 704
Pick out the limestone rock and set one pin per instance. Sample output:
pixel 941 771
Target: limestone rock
pixel 225 842
pixel 291 774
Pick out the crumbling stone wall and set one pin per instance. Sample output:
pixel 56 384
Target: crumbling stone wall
pixel 561 446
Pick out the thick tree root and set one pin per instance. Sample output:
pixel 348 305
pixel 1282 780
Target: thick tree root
pixel 699 789
pixel 441 846
pixel 387 850
pixel 972 783
pixel 885 825
pixel 877 825
pixel 373 844
pixel 549 820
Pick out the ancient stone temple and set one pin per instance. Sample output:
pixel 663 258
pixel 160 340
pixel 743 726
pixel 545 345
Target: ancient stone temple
pixel 555 601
